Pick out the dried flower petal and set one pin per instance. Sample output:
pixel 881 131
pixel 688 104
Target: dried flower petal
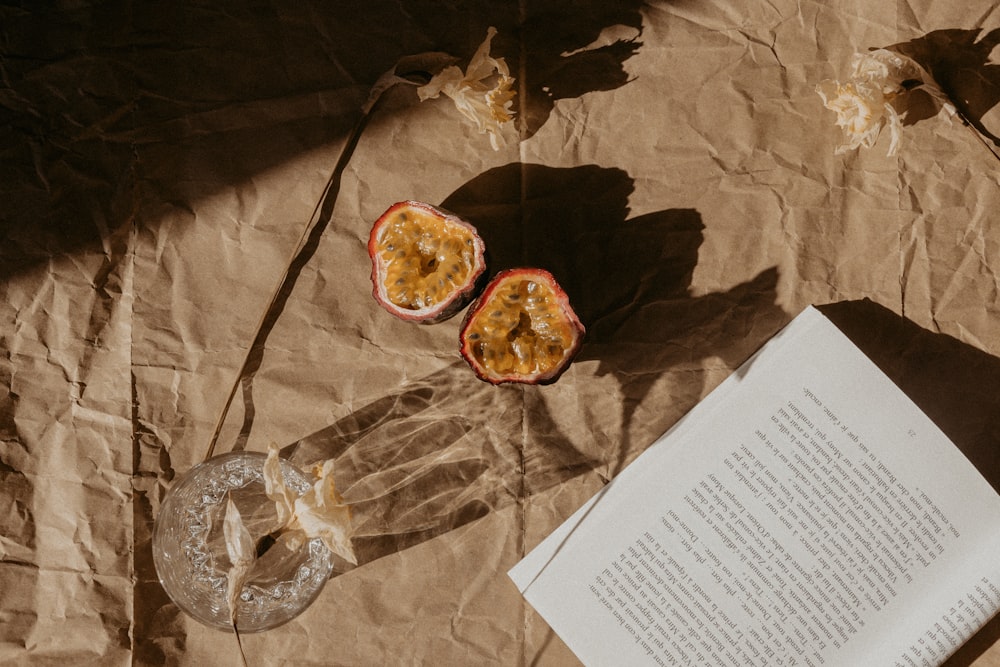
pixel 861 112
pixel 864 103
pixel 291 539
pixel 319 512
pixel 483 93
pixel 241 551
pixel 411 70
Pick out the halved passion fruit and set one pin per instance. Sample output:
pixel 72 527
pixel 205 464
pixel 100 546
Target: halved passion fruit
pixel 521 329
pixel 426 262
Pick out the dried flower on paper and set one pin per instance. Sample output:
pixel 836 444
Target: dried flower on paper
pixel 319 512
pixel 483 93
pixel 864 104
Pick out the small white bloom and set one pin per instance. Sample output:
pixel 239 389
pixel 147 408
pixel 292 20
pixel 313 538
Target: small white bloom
pixel 274 487
pixel 483 93
pixel 864 103
pixel 319 512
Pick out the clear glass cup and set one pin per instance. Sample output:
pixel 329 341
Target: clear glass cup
pixel 189 549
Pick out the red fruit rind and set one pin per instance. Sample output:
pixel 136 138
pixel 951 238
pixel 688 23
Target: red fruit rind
pixel 426 262
pixel 522 329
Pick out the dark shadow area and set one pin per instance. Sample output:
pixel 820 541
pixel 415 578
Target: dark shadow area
pixel 955 384
pixel 979 644
pixel 108 113
pixel 574 222
pixel 959 61
pixel 156 618
pixel 444 451
pixel 158 621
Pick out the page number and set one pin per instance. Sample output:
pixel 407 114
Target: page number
pixel 910 432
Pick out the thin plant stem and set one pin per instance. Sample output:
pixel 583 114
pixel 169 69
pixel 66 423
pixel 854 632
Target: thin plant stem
pixel 331 188
pixel 239 644
pixel 345 155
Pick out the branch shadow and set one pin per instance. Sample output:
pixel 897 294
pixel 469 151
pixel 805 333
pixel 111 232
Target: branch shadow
pixel 959 62
pixel 955 384
pixel 310 243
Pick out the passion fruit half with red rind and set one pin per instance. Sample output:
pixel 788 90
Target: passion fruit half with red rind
pixel 427 263
pixel 522 329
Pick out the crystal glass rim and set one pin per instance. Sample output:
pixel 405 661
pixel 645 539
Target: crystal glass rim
pixel 319 558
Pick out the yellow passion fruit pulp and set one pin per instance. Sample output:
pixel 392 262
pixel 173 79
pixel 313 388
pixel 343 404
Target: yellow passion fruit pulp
pixel 426 262
pixel 521 329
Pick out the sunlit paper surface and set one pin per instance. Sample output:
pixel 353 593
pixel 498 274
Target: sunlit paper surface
pixel 675 170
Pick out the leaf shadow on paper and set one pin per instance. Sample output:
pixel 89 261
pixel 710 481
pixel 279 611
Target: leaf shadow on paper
pixel 959 61
pixel 955 384
pixel 448 448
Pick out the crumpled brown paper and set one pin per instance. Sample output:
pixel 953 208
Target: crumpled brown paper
pixel 676 172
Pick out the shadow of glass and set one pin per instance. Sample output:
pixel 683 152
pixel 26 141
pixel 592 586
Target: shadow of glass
pixel 955 384
pixel 439 454
pixel 959 61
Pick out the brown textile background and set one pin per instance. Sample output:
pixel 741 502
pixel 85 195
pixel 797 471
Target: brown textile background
pixel 676 172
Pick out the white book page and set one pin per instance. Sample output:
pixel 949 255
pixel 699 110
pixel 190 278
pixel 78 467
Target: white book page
pixel 805 513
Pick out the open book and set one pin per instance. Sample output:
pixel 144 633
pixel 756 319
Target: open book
pixel 805 513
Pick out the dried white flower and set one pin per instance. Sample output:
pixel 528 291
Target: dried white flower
pixel 242 554
pixel 483 93
pixel 319 512
pixel 864 103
